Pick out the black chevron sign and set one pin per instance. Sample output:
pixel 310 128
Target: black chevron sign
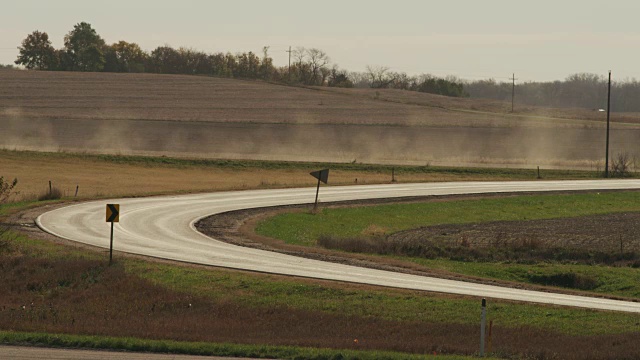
pixel 322 175
pixel 113 213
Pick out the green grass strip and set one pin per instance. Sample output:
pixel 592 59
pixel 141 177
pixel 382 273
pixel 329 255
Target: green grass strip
pixel 197 348
pixel 259 290
pixel 616 281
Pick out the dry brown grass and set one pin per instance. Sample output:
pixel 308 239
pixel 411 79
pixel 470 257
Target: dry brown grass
pixel 100 178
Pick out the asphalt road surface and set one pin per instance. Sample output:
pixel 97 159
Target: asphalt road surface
pixel 163 227
pixel 28 353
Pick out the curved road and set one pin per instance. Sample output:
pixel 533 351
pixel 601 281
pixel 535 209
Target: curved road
pixel 163 227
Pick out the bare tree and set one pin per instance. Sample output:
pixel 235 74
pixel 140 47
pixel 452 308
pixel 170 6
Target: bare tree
pixel 318 61
pixel 379 76
pixel 299 55
pixel 402 81
pixel 360 79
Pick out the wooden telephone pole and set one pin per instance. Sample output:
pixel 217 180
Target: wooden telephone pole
pixel 513 90
pixel 606 157
pixel 289 51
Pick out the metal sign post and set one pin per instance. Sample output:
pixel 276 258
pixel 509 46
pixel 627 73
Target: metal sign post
pixel 113 215
pixel 111 246
pixel 321 175
pixel 483 325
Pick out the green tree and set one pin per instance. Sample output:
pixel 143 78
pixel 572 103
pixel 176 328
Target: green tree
pixel 165 60
pixel 266 66
pixel 125 57
pixel 248 65
pixel 85 48
pixel 36 52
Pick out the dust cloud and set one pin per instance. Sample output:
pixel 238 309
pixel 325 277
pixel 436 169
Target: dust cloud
pixel 511 146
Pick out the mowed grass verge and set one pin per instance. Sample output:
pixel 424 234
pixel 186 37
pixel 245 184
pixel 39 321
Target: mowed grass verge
pixel 148 306
pixel 119 175
pixel 375 222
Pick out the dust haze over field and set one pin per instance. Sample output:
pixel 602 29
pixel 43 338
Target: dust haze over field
pixel 224 118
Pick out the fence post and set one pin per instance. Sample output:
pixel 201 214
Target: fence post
pixel 483 325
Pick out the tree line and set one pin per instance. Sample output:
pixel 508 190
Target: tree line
pixel 85 50
pixel 578 90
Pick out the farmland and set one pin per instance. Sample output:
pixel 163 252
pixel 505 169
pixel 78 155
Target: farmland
pixel 199 132
pixel 189 116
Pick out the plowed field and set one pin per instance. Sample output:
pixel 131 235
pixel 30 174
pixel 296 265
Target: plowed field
pixel 224 118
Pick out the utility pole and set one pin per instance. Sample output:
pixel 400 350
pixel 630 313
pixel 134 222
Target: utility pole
pixel 289 51
pixel 513 90
pixel 606 160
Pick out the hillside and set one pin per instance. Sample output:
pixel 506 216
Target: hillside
pixel 499 108
pixel 70 95
pixel 196 116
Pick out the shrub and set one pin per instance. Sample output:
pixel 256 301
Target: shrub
pixel 567 280
pixel 6 188
pixel 54 194
pixel 621 165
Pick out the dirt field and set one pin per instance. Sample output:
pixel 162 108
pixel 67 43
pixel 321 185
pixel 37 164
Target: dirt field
pixel 225 118
pixel 610 233
pixel 479 106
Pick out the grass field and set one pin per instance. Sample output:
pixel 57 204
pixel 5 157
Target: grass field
pixel 371 229
pixel 304 228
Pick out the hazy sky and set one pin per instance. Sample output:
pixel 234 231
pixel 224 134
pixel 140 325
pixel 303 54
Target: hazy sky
pixel 536 40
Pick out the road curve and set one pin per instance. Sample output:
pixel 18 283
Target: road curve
pixel 163 227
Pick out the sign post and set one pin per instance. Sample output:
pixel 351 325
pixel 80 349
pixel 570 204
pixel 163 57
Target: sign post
pixel 113 215
pixel 483 326
pixel 321 175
